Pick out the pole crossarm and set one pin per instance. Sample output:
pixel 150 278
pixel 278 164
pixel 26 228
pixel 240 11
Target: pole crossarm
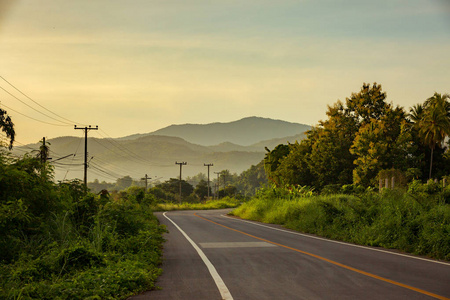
pixel 146 178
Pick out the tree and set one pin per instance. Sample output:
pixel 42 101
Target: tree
pixel 172 186
pixel 272 160
pixel 435 123
pixel 194 180
pixel 201 190
pixel 294 168
pixel 368 104
pixel 7 126
pixel 416 115
pixel 252 179
pixel 381 145
pixel 123 183
pixel 228 191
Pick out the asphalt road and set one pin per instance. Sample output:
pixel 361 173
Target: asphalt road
pixel 210 256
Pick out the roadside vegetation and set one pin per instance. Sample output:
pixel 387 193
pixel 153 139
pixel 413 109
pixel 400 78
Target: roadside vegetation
pixel 58 241
pixel 416 220
pixel 226 202
pixel 371 174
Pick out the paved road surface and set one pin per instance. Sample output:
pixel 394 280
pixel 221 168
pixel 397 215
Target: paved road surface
pixel 210 256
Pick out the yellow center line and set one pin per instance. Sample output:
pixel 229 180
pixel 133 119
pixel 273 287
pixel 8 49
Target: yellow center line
pixel 335 263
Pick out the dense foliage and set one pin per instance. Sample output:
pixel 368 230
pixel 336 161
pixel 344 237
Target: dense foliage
pixel 364 136
pixel 326 184
pixel 59 242
pixel 416 221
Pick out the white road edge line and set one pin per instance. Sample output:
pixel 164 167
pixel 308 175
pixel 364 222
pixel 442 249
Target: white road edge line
pixel 338 242
pixel 224 292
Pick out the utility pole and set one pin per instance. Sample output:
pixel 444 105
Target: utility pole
pixel 224 174
pixel 218 184
pixel 208 165
pixel 43 156
pixel 86 129
pixel 43 152
pixel 146 178
pixel 181 165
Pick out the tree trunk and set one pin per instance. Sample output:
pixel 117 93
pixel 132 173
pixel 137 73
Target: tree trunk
pixel 431 161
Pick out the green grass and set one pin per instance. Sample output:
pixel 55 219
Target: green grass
pixel 392 219
pixel 211 204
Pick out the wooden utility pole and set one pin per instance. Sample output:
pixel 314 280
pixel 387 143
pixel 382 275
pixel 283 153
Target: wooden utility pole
pixel 181 165
pixel 208 165
pixel 218 184
pixel 86 129
pixel 146 178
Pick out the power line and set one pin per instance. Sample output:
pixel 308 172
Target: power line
pixel 73 158
pixel 118 168
pixel 70 122
pixel 123 148
pixel 103 168
pixel 32 117
pixel 66 124
pixel 104 172
pixel 63 164
pixel 125 155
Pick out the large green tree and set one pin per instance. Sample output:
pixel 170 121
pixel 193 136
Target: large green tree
pixel 382 144
pixel 330 160
pixel 364 118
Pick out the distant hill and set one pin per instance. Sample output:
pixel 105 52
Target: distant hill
pixel 156 154
pixel 272 143
pixel 244 132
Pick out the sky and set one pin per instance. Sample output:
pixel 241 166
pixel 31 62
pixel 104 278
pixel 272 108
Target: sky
pixel 138 66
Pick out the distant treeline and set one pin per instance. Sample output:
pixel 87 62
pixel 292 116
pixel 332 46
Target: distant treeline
pixel 194 188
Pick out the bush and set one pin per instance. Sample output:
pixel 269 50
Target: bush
pixel 351 189
pixel 331 189
pixel 73 245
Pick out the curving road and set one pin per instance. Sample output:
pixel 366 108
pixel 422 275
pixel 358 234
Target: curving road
pixel 211 256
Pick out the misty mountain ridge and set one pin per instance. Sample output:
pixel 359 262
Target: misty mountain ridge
pixel 244 132
pixel 155 154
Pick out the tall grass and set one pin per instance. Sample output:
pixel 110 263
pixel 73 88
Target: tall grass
pixel 226 202
pixel 414 223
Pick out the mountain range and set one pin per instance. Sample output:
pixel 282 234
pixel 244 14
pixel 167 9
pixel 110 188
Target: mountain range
pixel 234 146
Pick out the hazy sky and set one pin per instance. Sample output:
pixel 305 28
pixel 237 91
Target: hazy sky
pixel 137 66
